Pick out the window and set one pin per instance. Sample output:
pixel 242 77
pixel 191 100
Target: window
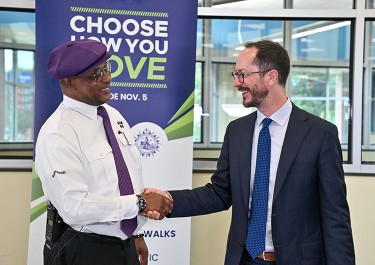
pixel 324 91
pixel 17 80
pixel 18 96
pixel 368 109
pixel 318 82
pixel 198 111
pixel 319 79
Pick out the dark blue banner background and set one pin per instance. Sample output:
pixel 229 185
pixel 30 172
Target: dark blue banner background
pixel 142 94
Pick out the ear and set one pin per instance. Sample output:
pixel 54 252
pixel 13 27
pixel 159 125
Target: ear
pixel 66 82
pixel 272 77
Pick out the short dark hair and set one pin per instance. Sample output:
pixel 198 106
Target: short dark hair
pixel 271 55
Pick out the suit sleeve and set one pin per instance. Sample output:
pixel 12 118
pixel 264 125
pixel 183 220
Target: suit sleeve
pixel 213 197
pixel 338 241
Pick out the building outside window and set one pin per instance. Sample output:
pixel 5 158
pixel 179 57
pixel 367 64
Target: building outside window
pixel 319 79
pixel 17 80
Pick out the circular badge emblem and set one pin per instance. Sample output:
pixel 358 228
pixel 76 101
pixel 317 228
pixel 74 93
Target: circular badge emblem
pixel 147 142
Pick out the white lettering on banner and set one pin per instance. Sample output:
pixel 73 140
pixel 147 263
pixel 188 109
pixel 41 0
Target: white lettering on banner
pixel 131 27
pixel 128 97
pixel 144 46
pixel 73 23
pixel 161 233
pixel 151 46
pixel 147 37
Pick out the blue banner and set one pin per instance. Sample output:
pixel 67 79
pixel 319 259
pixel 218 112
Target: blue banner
pixel 153 47
pixel 153 66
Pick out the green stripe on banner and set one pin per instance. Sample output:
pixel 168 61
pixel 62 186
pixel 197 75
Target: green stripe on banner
pixel 117 12
pixel 138 85
pixel 183 127
pixel 37 211
pixel 37 190
pixel 36 193
pixel 186 106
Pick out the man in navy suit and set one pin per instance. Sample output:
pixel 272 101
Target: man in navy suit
pixel 308 220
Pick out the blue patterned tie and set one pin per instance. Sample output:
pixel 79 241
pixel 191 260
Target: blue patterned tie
pixel 128 226
pixel 256 233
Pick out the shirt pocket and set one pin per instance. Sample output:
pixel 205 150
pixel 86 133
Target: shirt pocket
pixel 101 164
pixel 131 154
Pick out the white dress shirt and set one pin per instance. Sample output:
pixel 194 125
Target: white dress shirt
pixel 277 131
pixel 76 166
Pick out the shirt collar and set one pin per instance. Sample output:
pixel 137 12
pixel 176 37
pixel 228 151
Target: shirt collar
pixel 83 108
pixel 281 116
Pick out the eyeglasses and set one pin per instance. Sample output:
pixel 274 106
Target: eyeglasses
pixel 241 75
pixel 99 73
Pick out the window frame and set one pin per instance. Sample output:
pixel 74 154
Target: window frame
pixel 355 164
pixel 21 151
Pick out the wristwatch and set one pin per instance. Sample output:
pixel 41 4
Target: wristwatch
pixel 141 203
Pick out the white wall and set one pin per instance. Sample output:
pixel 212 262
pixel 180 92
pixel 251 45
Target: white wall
pixel 361 197
pixel 15 195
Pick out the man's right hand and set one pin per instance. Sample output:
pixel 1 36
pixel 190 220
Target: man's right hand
pixel 158 204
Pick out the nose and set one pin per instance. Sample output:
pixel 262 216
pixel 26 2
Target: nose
pixel 107 77
pixel 236 82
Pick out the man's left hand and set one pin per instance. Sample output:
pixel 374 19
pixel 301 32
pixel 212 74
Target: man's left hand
pixel 142 250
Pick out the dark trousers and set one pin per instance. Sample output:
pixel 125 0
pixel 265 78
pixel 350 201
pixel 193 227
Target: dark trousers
pixel 77 248
pixel 246 259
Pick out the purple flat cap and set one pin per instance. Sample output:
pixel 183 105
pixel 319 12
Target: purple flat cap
pixel 75 58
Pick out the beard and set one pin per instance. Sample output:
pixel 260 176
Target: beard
pixel 257 96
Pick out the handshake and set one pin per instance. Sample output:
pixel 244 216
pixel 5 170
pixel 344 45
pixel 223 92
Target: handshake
pixel 159 203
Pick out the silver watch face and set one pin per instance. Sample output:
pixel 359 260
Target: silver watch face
pixel 142 203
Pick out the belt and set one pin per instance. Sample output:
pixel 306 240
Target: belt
pixel 96 237
pixel 267 256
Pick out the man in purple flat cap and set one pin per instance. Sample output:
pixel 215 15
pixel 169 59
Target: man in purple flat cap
pixel 90 167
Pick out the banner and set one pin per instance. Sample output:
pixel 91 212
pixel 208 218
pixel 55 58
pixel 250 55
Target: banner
pixel 153 46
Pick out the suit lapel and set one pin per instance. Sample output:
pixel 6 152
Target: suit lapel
pixel 295 133
pixel 245 155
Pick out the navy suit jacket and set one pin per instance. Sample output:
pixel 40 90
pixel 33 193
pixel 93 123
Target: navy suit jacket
pixel 310 214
